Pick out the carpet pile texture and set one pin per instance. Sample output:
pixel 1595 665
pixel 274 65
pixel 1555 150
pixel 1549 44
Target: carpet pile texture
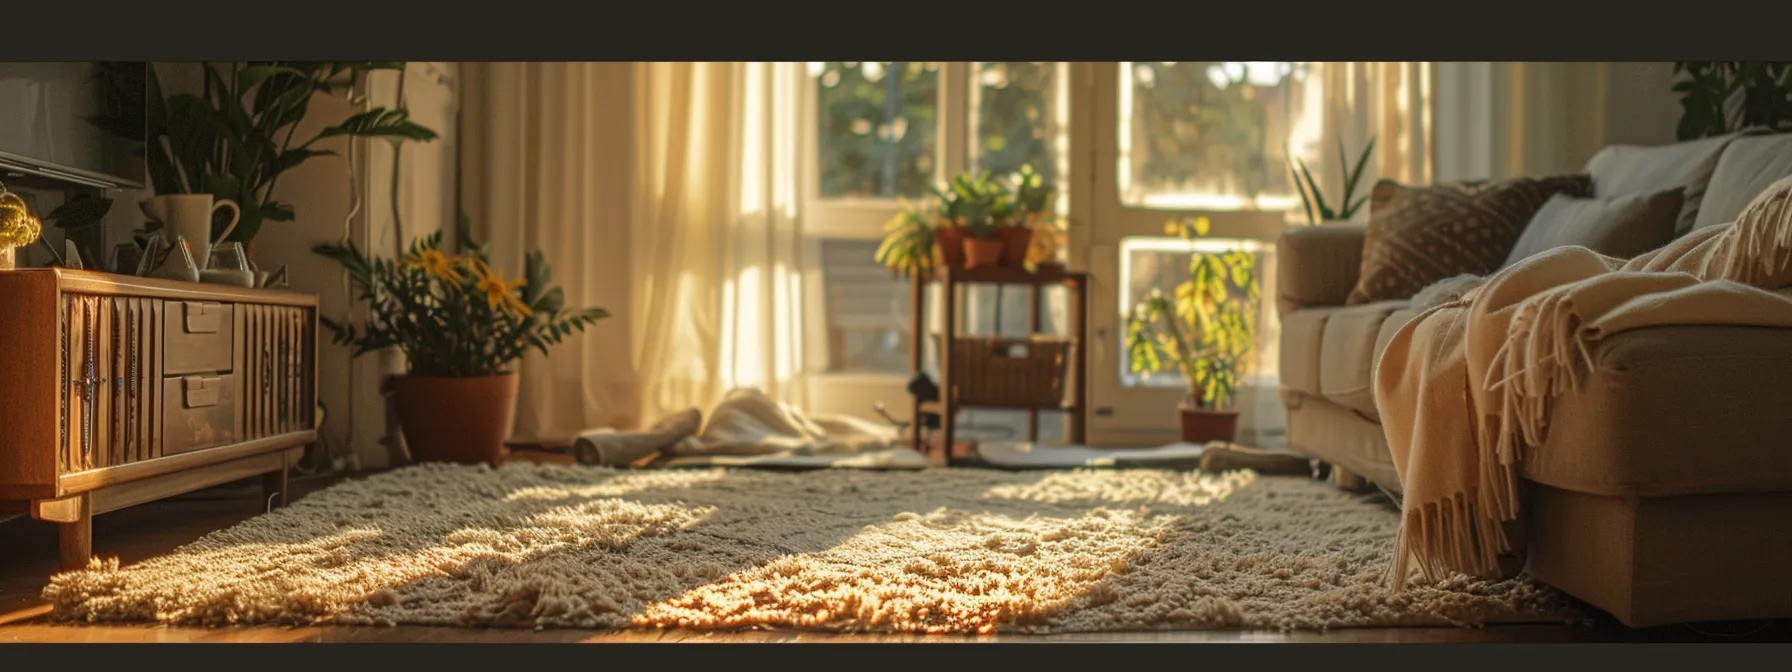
pixel 942 550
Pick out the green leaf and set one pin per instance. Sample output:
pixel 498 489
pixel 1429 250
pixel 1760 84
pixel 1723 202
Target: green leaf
pixel 379 122
pixel 80 211
pixel 250 76
pixel 1325 212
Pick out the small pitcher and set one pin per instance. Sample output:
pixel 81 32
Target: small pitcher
pixel 189 216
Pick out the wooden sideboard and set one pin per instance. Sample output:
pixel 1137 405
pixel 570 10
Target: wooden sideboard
pixel 118 390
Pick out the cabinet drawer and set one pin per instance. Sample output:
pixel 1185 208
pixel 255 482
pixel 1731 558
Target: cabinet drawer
pixel 197 337
pixel 198 412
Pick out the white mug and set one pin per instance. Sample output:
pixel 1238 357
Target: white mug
pixel 189 216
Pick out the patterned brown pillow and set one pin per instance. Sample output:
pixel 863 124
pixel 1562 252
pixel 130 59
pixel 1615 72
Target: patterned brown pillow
pixel 1420 235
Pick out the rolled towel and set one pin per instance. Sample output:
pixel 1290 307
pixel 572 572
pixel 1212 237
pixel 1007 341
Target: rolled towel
pixel 1222 456
pixel 610 448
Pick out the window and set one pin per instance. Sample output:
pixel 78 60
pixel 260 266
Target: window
pixel 888 131
pixel 1208 135
pixel 1130 145
pixel 878 127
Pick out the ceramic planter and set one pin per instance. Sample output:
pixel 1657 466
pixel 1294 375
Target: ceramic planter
pixel 456 419
pixel 1200 425
pixel 1016 242
pixel 951 241
pixel 982 252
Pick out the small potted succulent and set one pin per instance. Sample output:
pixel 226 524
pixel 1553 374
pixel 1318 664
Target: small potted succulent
pixel 1313 200
pixel 1205 330
pixel 461 326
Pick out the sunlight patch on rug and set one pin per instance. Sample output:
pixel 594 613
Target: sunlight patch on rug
pixel 960 550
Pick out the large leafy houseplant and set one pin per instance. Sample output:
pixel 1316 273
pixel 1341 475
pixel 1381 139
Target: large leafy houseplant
pixel 461 326
pixel 1204 329
pixel 1721 97
pixel 241 133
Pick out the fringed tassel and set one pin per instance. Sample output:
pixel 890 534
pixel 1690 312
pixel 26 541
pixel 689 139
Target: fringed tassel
pixel 1438 539
pixel 1762 241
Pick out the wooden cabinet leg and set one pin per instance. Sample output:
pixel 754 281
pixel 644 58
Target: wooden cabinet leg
pixel 273 488
pixel 75 538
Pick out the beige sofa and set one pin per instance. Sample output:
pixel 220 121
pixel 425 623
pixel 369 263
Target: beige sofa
pixel 1663 492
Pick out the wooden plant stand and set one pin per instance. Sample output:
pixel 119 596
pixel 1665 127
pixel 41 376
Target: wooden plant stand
pixel 953 284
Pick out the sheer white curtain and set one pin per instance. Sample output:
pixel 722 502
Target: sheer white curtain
pixel 664 192
pixel 718 256
pixel 1499 120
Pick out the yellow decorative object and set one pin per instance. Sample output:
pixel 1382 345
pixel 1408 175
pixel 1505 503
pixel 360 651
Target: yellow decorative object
pixel 17 225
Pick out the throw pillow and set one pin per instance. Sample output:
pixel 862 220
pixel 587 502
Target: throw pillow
pixel 1419 235
pixel 1621 226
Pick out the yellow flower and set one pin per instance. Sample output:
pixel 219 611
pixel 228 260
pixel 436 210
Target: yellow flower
pixel 498 292
pixel 437 264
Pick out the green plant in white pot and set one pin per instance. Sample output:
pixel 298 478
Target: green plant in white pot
pixel 1204 329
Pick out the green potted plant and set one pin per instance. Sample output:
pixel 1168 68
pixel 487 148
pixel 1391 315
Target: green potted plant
pixel 1204 329
pixel 1719 97
pixel 461 327
pixel 240 134
pixel 1319 211
pixel 1028 209
pixel 909 243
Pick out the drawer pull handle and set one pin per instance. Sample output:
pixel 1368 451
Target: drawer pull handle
pixel 203 318
pixel 201 392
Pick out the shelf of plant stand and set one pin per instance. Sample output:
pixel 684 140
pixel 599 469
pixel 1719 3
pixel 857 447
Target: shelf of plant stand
pixel 1047 274
pixel 1067 406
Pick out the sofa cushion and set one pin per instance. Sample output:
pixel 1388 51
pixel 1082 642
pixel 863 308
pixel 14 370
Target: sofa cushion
pixel 1615 226
pixel 1299 348
pixel 1749 164
pixel 1347 355
pixel 1621 170
pixel 1420 235
pixel 1682 410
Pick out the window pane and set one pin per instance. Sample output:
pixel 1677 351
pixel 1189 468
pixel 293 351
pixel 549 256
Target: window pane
pixel 865 309
pixel 1162 264
pixel 878 124
pixel 1208 135
pixel 1018 111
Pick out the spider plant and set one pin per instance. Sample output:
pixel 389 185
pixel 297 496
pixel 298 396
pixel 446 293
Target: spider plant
pixel 1313 199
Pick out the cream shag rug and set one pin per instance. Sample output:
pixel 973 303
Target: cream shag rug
pixel 943 550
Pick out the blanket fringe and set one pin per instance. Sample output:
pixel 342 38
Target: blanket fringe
pixel 1764 236
pixel 1547 351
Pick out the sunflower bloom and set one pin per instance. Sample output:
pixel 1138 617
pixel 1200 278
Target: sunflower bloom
pixel 498 292
pixel 437 264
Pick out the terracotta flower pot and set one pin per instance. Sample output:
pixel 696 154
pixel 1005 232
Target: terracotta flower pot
pixel 981 252
pixel 1016 242
pixel 456 419
pixel 951 242
pixel 1200 425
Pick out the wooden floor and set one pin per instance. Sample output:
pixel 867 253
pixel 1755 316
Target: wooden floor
pixel 29 558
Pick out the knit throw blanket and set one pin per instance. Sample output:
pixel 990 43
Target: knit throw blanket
pixel 1466 387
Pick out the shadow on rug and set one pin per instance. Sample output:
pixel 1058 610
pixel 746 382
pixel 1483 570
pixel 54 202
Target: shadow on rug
pixel 959 550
